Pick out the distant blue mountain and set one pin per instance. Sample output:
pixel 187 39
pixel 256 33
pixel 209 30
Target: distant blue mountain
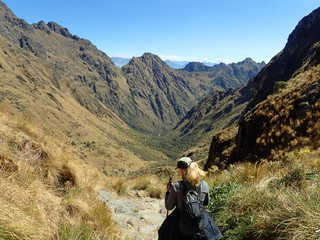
pixel 119 61
pixel 176 64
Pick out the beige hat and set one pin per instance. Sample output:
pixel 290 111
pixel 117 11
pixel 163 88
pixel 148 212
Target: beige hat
pixel 183 163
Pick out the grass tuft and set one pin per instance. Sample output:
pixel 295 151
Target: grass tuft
pixel 46 191
pixel 269 200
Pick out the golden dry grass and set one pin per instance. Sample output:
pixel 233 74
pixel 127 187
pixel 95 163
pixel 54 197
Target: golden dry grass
pixel 285 124
pixel 46 191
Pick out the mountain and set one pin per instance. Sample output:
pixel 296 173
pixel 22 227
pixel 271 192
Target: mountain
pixel 63 84
pixel 221 76
pixel 69 86
pixel 218 111
pixel 120 62
pixel 283 114
pixel 245 69
pixel 214 114
pixel 295 107
pixel 183 64
pixel 163 95
pixel 196 67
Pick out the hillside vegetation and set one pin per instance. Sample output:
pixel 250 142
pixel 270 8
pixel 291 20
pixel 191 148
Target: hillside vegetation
pixel 268 199
pixel 46 191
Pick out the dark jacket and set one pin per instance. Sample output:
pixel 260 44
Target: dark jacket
pixel 170 229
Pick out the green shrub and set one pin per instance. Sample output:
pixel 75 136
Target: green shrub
pixel 79 233
pixel 279 85
pixel 120 186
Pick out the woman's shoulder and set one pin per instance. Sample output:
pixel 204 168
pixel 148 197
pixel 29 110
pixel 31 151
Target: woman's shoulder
pixel 178 185
pixel 204 185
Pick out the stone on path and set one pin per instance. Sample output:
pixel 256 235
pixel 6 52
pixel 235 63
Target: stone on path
pixel 138 217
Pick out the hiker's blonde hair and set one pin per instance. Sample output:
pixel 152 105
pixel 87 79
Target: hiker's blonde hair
pixel 194 174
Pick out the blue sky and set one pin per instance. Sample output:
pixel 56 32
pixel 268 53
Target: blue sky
pixel 193 30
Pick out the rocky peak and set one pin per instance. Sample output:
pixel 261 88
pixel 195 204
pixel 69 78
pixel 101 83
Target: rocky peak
pixel 61 30
pixel 152 60
pixel 5 11
pixel 149 56
pixel 42 26
pixel 6 15
pixel 196 67
pixel 307 31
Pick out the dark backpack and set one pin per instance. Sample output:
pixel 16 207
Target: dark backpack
pixel 191 218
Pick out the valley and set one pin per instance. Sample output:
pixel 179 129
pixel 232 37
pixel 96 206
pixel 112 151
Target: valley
pixel 74 91
pixel 73 124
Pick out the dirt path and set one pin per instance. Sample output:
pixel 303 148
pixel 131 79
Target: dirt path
pixel 139 217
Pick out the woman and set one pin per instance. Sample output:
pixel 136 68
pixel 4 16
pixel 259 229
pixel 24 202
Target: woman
pixel 175 226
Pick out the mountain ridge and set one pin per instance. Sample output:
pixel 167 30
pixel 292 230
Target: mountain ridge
pixel 300 54
pixel 83 90
pixel 59 93
pixel 180 90
pixel 88 71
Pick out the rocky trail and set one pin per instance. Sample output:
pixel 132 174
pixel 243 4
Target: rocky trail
pixel 139 217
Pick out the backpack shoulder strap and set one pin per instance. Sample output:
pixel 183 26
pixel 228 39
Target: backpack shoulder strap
pixel 184 188
pixel 198 190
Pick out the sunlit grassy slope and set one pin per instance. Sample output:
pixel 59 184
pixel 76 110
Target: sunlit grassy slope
pixel 100 137
pixel 46 191
pixel 270 199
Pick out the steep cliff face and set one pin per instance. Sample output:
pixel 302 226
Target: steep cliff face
pixel 163 95
pixel 287 118
pixel 283 114
pixel 300 53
